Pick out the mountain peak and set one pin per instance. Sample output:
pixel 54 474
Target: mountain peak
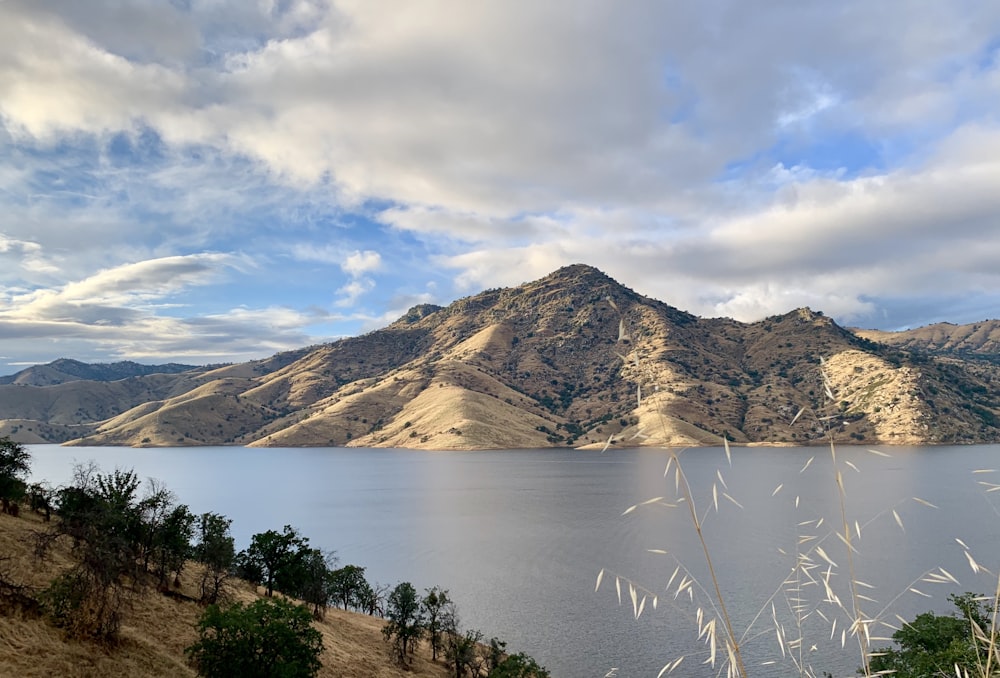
pixel 418 312
pixel 577 272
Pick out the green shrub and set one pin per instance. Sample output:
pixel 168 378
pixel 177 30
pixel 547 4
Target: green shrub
pixel 270 638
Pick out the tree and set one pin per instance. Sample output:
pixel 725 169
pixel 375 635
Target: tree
pixel 215 549
pixel 518 665
pixel 116 537
pixel 934 645
pixel 15 463
pixel 405 625
pixel 100 514
pixel 270 638
pixel 460 652
pixel 347 587
pixel 372 599
pixel 40 497
pixel 313 579
pixel 496 653
pixel 272 559
pixel 461 649
pixel 433 608
pixel 166 529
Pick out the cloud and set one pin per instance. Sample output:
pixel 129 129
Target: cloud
pixel 359 263
pixel 354 290
pixel 123 288
pixel 125 313
pixel 727 158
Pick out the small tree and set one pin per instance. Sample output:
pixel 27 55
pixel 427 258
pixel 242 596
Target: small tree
pixel 460 651
pixel 101 515
pixel 270 638
pixel 496 653
pixel 15 463
pixel 348 587
pixel 313 579
pixel 405 625
pixel 215 550
pixel 172 543
pixel 433 607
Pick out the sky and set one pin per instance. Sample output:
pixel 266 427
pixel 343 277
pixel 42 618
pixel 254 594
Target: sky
pixel 208 181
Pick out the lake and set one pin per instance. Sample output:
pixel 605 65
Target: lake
pixel 518 537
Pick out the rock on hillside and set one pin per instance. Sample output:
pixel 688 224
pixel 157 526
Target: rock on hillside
pixel 572 359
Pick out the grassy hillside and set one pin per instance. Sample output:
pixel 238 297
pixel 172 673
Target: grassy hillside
pixel 156 631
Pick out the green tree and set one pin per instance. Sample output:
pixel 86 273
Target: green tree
pixel 273 559
pixel 270 638
pixel 405 622
pixel 215 549
pixel 496 653
pixel 165 530
pixel 172 543
pixel 934 645
pixel 518 665
pixel 460 651
pixel 100 514
pixel 433 607
pixel 347 587
pixel 15 463
pixel 312 579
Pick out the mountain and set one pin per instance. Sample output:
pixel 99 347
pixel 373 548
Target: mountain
pixel 571 359
pixel 64 370
pixel 975 340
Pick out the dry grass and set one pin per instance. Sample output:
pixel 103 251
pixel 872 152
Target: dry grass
pixel 158 628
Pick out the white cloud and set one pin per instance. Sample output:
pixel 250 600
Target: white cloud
pixel 112 298
pixel 353 291
pixel 358 263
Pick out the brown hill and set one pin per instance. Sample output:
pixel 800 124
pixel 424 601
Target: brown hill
pixel 155 633
pixel 64 369
pixel 980 339
pixel 572 359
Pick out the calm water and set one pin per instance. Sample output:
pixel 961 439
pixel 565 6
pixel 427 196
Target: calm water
pixel 518 537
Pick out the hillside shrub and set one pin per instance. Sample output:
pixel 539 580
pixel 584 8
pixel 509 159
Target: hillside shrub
pixel 270 638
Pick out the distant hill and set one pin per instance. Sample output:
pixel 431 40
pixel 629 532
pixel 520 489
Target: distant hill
pixel 64 370
pixel 975 340
pixel 571 359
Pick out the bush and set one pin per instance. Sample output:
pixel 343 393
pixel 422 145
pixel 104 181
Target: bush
pixel 939 645
pixel 519 665
pixel 270 638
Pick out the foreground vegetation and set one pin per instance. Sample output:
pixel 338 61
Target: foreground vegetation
pixel 107 577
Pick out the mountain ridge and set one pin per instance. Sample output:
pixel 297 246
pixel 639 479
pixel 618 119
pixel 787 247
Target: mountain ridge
pixel 573 358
